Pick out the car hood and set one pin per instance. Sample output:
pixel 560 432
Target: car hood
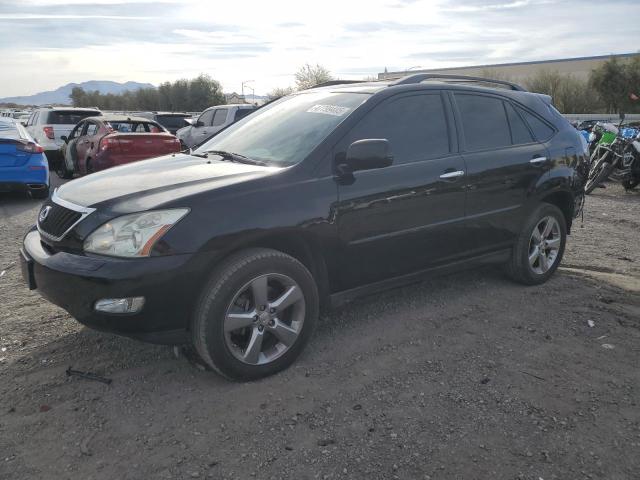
pixel 148 183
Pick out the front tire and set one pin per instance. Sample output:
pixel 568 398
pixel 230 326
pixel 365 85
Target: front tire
pixel 256 314
pixel 540 246
pixel 631 183
pixel 598 174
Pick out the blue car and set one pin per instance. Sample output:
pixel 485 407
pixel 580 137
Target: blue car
pixel 23 165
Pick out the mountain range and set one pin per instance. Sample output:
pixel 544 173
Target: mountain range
pixel 60 95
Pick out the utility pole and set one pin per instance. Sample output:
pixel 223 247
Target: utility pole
pixel 243 84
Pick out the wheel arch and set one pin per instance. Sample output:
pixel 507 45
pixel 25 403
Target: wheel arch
pixel 565 202
pixel 301 246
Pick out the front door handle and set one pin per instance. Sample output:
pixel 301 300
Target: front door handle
pixel 450 175
pixel 538 160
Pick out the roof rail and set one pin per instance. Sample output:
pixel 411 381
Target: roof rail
pixel 335 82
pixel 421 77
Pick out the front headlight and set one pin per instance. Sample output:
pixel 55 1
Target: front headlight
pixel 132 235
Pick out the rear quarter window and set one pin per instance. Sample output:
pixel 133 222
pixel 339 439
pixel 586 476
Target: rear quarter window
pixel 540 129
pixel 242 112
pixel 61 117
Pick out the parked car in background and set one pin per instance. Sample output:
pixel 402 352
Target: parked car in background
pixel 47 126
pixel 316 198
pixel 98 143
pixel 23 165
pixel 23 119
pixel 211 121
pixel 172 121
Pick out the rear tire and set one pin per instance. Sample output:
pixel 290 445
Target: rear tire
pixel 40 194
pixel 62 171
pixel 256 314
pixel 89 166
pixel 537 254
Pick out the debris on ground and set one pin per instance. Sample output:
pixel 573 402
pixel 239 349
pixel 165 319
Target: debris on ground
pixel 88 375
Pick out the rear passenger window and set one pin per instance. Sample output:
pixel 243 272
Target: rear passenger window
pixel 415 126
pixel 520 134
pixel 541 130
pixel 484 121
pixel 220 117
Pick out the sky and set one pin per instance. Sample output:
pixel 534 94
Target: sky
pixel 47 43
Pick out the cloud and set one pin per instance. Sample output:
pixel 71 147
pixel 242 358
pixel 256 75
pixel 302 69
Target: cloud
pixel 50 42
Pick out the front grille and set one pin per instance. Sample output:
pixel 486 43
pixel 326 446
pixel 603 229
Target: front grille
pixel 58 220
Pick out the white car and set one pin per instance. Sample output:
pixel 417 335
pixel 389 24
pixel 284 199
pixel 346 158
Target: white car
pixel 48 124
pixel 211 121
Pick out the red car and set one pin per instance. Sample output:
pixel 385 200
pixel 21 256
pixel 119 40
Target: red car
pixel 98 143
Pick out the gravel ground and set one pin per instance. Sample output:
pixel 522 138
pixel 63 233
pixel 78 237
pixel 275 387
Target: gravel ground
pixel 467 376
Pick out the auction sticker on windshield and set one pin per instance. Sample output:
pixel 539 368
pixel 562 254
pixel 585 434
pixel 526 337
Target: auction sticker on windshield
pixel 329 110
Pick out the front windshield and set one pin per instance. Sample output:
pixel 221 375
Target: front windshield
pixel 285 132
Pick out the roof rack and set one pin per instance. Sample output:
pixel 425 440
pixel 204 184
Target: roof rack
pixel 421 77
pixel 335 82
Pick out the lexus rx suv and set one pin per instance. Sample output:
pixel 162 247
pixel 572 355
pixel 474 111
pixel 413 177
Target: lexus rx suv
pixel 321 196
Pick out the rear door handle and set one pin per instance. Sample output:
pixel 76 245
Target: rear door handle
pixel 538 160
pixel 450 175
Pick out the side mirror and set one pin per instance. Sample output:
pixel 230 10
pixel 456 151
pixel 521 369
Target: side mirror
pixel 64 138
pixel 198 123
pixel 368 154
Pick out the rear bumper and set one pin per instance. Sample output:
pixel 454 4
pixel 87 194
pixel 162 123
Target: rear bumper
pixel 76 282
pixel 20 179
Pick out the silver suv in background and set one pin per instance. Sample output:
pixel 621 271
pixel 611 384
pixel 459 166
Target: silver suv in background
pixel 211 121
pixel 48 124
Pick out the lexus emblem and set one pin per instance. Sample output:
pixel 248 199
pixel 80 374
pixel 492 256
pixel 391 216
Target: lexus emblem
pixel 44 213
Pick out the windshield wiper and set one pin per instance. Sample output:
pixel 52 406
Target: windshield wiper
pixel 230 156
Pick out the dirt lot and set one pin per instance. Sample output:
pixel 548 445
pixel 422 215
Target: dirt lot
pixel 468 376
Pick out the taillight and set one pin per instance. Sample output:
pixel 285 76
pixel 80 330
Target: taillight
pixel 107 142
pixel 29 147
pixel 48 131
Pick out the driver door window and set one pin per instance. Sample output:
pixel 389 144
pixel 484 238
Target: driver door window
pixel 75 133
pixel 206 118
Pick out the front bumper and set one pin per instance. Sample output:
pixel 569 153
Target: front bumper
pixel 76 282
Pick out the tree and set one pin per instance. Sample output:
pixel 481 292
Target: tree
pixel 615 81
pixel 77 96
pixel 204 92
pixel 569 94
pixel 189 95
pixel 309 76
pixel 279 92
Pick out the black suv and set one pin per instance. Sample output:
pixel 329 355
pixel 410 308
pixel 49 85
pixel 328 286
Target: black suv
pixel 316 198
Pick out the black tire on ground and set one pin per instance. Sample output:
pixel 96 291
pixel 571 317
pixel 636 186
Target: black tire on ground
pixel 62 171
pixel 40 193
pixel 518 267
pixel 600 174
pixel 207 324
pixel 89 166
pixel 631 184
pixel 53 159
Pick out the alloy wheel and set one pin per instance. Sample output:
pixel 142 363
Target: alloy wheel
pixel 544 245
pixel 264 319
